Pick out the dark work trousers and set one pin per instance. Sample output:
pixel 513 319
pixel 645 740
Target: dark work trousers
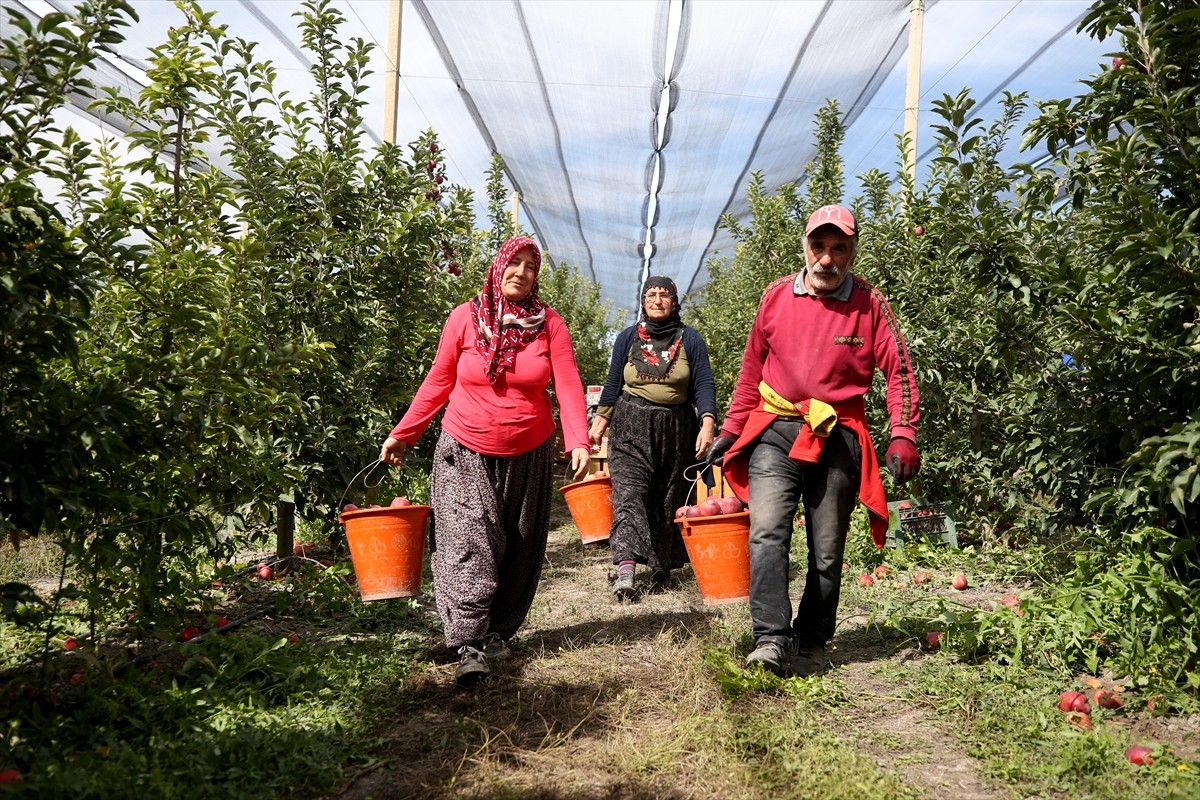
pixel 828 490
pixel 649 446
pixel 491 520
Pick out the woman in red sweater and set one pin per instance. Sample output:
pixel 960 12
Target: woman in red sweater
pixel 492 482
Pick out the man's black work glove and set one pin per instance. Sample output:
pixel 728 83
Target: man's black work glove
pixel 903 460
pixel 716 453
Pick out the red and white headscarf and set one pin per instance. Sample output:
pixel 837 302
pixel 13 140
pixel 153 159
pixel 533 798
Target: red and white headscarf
pixel 502 327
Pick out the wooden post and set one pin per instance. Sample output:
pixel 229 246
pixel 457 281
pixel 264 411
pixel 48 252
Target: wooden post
pixel 516 209
pixel 391 83
pixel 912 94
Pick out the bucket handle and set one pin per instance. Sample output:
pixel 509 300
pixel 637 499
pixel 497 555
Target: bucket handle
pixel 368 469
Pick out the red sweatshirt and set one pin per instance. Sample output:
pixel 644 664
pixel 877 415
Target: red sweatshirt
pixel 511 416
pixel 828 348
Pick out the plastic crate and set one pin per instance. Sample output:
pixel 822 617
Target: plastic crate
pixel 915 520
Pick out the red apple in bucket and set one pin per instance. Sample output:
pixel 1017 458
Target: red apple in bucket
pixel 681 512
pixel 730 505
pixel 400 501
pixel 711 507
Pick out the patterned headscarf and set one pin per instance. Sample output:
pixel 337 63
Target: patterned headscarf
pixel 657 344
pixel 502 327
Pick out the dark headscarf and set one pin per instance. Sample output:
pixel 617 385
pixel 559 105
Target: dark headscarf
pixel 657 344
pixel 502 327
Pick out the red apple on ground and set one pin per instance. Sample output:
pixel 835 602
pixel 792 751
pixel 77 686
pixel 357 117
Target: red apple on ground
pixel 400 501
pixel 1074 701
pixel 959 582
pixel 1010 601
pixel 882 571
pixel 302 548
pixel 933 639
pixel 1080 720
pixel 265 572
pixel 865 579
pixel 293 638
pixel 188 633
pixel 325 562
pixel 222 622
pixel 730 505
pixel 70 643
pixel 845 566
pixel 1106 698
pixel 10 776
pixel 922 578
pixel 1139 754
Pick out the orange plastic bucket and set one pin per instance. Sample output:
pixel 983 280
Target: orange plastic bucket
pixel 590 502
pixel 387 546
pixel 719 549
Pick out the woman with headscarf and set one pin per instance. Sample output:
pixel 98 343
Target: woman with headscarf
pixel 492 470
pixel 659 408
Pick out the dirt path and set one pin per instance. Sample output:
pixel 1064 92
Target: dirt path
pixel 602 700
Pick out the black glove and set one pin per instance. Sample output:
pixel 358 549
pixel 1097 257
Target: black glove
pixel 716 453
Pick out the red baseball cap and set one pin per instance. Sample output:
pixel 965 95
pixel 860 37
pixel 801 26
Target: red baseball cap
pixel 838 216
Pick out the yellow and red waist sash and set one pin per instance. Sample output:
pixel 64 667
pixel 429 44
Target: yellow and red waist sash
pixel 820 419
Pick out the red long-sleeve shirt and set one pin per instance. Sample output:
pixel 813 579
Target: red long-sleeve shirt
pixel 511 416
pixel 828 347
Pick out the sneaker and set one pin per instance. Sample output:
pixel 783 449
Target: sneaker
pixel 811 659
pixel 472 666
pixel 771 656
pixel 494 647
pixel 623 586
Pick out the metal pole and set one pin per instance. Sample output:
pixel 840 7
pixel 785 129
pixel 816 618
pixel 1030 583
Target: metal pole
pixel 912 94
pixel 391 83
pixel 516 209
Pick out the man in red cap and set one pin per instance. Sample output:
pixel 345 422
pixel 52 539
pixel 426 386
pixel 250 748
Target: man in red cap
pixel 796 431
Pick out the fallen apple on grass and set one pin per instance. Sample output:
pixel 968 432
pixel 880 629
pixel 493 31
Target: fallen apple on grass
pixel 189 633
pixel 70 643
pixel 1080 720
pixel 1074 701
pixel 265 572
pixel 933 640
pixel 959 582
pixel 882 571
pixel 301 549
pixel 865 579
pixel 1140 754
pixel 1106 698
pixel 922 578
pixel 222 622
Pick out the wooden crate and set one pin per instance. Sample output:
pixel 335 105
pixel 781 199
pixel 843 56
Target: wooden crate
pixel 721 487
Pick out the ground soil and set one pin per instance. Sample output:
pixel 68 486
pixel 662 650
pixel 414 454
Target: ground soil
pixel 591 700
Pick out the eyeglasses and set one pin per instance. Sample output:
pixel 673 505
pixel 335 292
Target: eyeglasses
pixel 658 295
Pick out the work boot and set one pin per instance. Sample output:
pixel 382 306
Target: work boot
pixel 472 666
pixel 622 587
pixel 771 656
pixel 811 659
pixel 494 647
